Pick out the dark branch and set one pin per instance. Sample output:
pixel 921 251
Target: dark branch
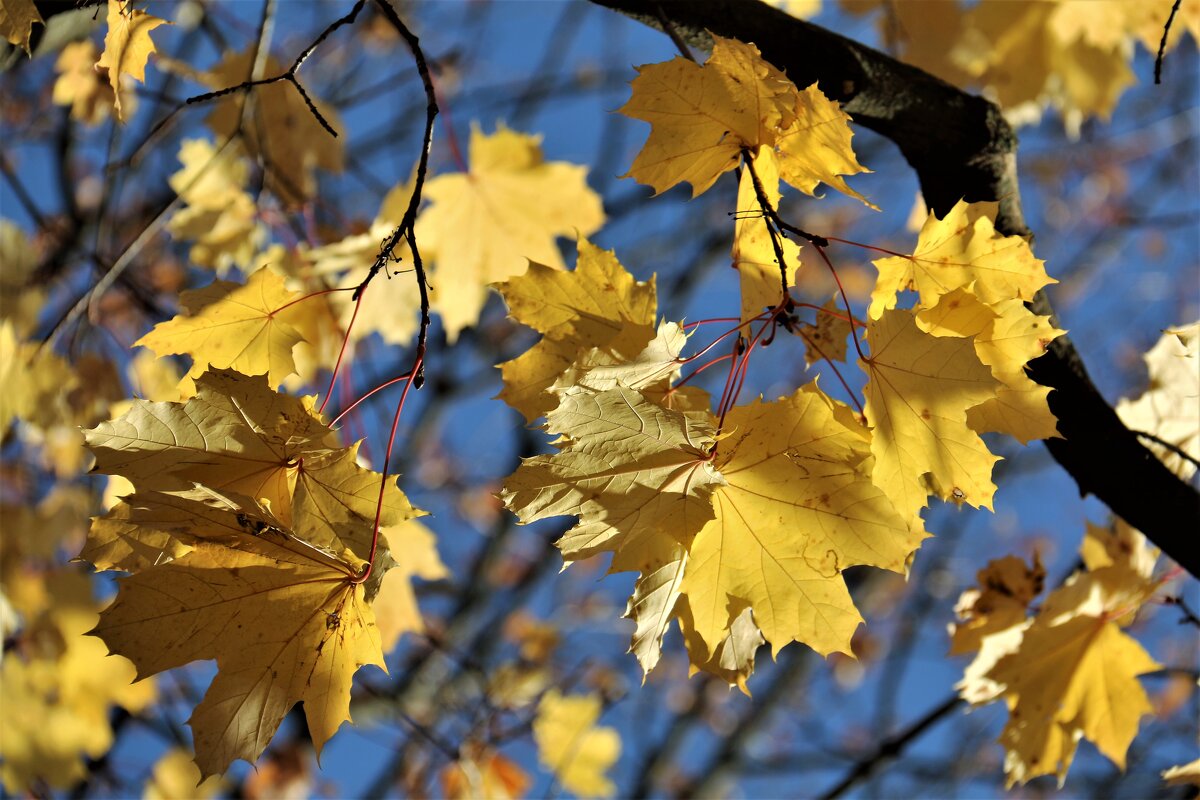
pixel 960 146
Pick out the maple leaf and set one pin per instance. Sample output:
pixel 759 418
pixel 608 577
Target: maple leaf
pixel 395 605
pixel 127 46
pixel 484 225
pixel 1007 587
pixel 17 18
pixel 227 325
pixel 598 305
pixel 630 469
pixel 81 87
pixel 733 659
pixel 826 338
pixel 57 703
pixel 285 621
pixel 572 746
pixel 1183 774
pixel 918 393
pixel 236 434
pixel 37 379
pixel 175 777
pixel 219 216
pixel 1070 671
pixel 753 254
pixel 289 139
pixel 702 117
pixel 21 298
pixel 797 507
pixel 652 605
pixel 1007 336
pixel 1167 409
pixel 961 250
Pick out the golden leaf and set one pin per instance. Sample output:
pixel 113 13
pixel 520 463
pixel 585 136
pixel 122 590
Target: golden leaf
pixel 127 46
pixel 572 747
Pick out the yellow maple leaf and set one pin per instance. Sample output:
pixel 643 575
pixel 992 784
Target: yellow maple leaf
pixel 961 250
pixel 1167 409
pixel 283 134
pixel 1006 588
pixel 1070 671
pixel 826 338
pixel 37 381
pixel 485 225
pixel 17 18
pixel 630 469
pixel 753 255
pixel 797 508
pixel 284 620
pixel 815 147
pixel 652 605
pixel 56 704
pixel 733 659
pixel 917 395
pixel 127 46
pixel 226 325
pixel 21 295
pixel 1007 336
pixel 396 611
pixel 1183 774
pixel 598 305
pixel 81 87
pixel 236 434
pixel 175 777
pixel 702 117
pixel 219 217
pixel 572 746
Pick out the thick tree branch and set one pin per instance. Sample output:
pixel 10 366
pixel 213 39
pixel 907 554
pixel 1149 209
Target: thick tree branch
pixel 960 146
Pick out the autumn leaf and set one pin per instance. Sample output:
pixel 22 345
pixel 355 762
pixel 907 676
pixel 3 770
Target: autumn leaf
pixel 797 507
pixel 283 133
pixel 1007 336
pixel 652 605
pixel 57 703
pixel 959 251
pixel 1183 774
pixel 175 777
pixel 219 217
pixel 485 225
pixel 596 306
pixel 228 326
pixel 702 117
pixel 826 337
pixel 37 379
pixel 1167 409
pixel 733 659
pixel 1006 588
pixel 571 745
pixel 395 605
pixel 918 393
pixel 17 18
pixel 81 87
pixel 1070 671
pixel 631 470
pixel 236 434
pixel 127 46
pixel 284 620
pixel 483 774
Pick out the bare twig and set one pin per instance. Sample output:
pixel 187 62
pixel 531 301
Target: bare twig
pixel 1162 46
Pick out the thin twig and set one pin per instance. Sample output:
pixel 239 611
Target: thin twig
pixel 892 747
pixel 1174 448
pixel 1162 46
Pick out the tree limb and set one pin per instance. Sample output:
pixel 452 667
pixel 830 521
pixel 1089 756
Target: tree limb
pixel 960 146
